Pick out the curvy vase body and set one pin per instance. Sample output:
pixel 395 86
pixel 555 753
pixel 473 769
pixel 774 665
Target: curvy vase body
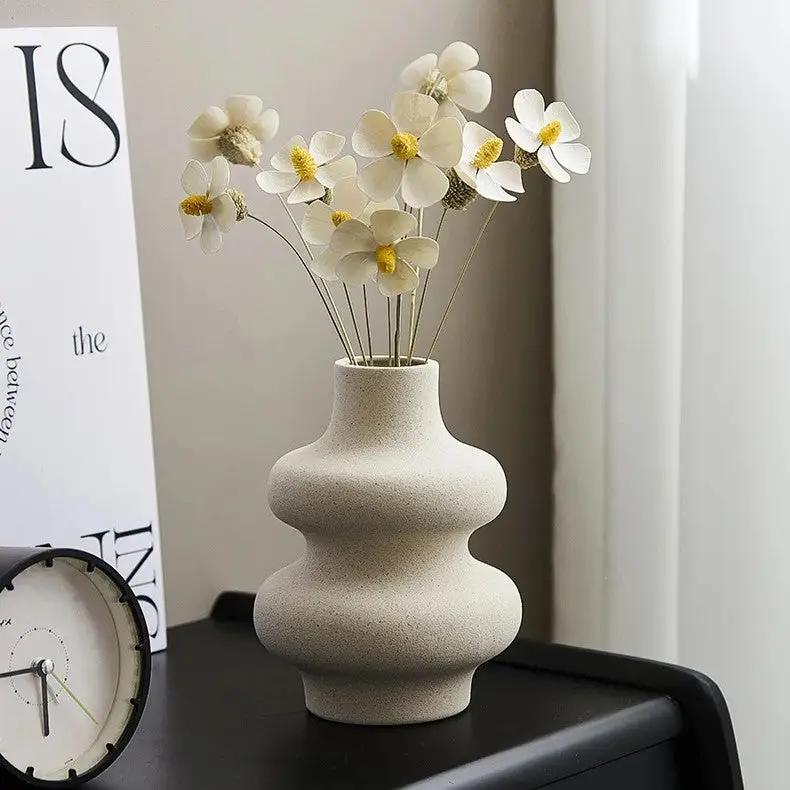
pixel 387 615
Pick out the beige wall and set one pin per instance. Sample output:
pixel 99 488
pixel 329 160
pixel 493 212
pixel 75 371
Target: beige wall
pixel 239 353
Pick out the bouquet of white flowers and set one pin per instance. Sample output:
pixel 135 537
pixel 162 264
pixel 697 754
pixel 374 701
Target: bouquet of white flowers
pixel 368 225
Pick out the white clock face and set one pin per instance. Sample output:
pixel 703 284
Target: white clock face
pixel 64 630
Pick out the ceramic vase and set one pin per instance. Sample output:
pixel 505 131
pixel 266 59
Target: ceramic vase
pixel 387 615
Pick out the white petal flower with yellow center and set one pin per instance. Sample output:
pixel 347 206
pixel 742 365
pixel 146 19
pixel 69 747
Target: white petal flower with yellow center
pixel 236 131
pixel 409 149
pixel 451 79
pixel 307 171
pixel 480 169
pixel 549 131
pixel 382 251
pixel 347 201
pixel 208 210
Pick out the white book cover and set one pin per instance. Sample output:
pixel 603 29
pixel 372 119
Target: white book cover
pixel 76 455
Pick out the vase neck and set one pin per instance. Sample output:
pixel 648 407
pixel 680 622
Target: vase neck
pixel 381 404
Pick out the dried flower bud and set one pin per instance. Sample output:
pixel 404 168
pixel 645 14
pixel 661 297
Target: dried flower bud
pixel 240 202
pixel 435 86
pixel 459 194
pixel 524 159
pixel 240 146
pixel 326 197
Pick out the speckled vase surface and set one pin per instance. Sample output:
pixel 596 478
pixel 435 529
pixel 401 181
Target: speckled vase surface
pixel 387 614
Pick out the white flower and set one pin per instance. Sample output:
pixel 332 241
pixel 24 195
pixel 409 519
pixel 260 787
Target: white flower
pixel 380 251
pixel 235 131
pixel 451 79
pixel 307 171
pixel 479 167
pixel 208 209
pixel 409 150
pixel 347 202
pixel 548 131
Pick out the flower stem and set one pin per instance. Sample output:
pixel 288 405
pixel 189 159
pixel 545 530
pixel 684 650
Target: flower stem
pixel 327 292
pixel 461 276
pixel 398 308
pixel 413 301
pixel 367 322
pixel 346 349
pixel 389 331
pixel 425 288
pixel 354 322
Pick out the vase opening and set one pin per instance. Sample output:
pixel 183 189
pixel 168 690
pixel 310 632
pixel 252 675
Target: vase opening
pixel 383 361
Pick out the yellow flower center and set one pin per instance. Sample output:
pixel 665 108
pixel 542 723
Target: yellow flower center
pixel 196 205
pixel 488 153
pixel 339 216
pixel 404 145
pixel 386 257
pixel 303 163
pixel 550 133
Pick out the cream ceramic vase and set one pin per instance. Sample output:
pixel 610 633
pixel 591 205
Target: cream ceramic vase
pixel 387 614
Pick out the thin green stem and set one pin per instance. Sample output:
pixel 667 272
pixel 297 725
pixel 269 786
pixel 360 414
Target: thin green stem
pixel 347 349
pixel 464 269
pixel 367 322
pixel 327 292
pixel 389 331
pixel 398 308
pixel 413 301
pixel 354 322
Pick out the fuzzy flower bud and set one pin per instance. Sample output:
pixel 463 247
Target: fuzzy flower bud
pixel 524 159
pixel 240 202
pixel 459 194
pixel 239 146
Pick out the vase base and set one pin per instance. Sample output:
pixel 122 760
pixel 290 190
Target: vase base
pixel 380 701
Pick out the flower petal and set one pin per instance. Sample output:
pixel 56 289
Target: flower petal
pixel 489 189
pixel 352 236
pixel 347 196
pixel 204 150
pixel 325 264
pixel 317 225
pixel 356 268
pixel 529 109
pixel 418 71
pixel 210 236
pixel 456 58
pixel 194 179
pixel 243 110
pixel 558 111
pixel 330 173
pixel 373 206
pixel 223 209
pixel 449 109
pixel 507 175
pixel 310 189
pixel 403 280
pixel 325 146
pixel 573 156
pixel 441 144
pixel 418 251
pixel 219 180
pixel 474 136
pixel 380 179
pixel 470 90
pixel 389 225
pixel 282 159
pixel 467 173
pixel 275 183
pixel 522 136
pixel 413 112
pixel 423 184
pixel 209 123
pixel 550 165
pixel 373 136
pixel 191 224
pixel 265 126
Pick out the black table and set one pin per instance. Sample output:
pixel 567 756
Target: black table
pixel 225 714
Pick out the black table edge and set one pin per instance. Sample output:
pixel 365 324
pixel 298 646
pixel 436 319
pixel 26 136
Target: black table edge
pixel 708 743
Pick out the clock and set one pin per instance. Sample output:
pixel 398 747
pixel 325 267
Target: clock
pixel 75 666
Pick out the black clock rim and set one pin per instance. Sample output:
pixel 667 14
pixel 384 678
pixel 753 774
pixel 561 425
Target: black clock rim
pixel 24 559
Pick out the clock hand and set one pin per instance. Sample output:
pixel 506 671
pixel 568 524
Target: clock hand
pixel 45 699
pixel 16 672
pixel 73 696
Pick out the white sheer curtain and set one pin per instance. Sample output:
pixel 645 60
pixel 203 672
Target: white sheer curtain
pixel 672 349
